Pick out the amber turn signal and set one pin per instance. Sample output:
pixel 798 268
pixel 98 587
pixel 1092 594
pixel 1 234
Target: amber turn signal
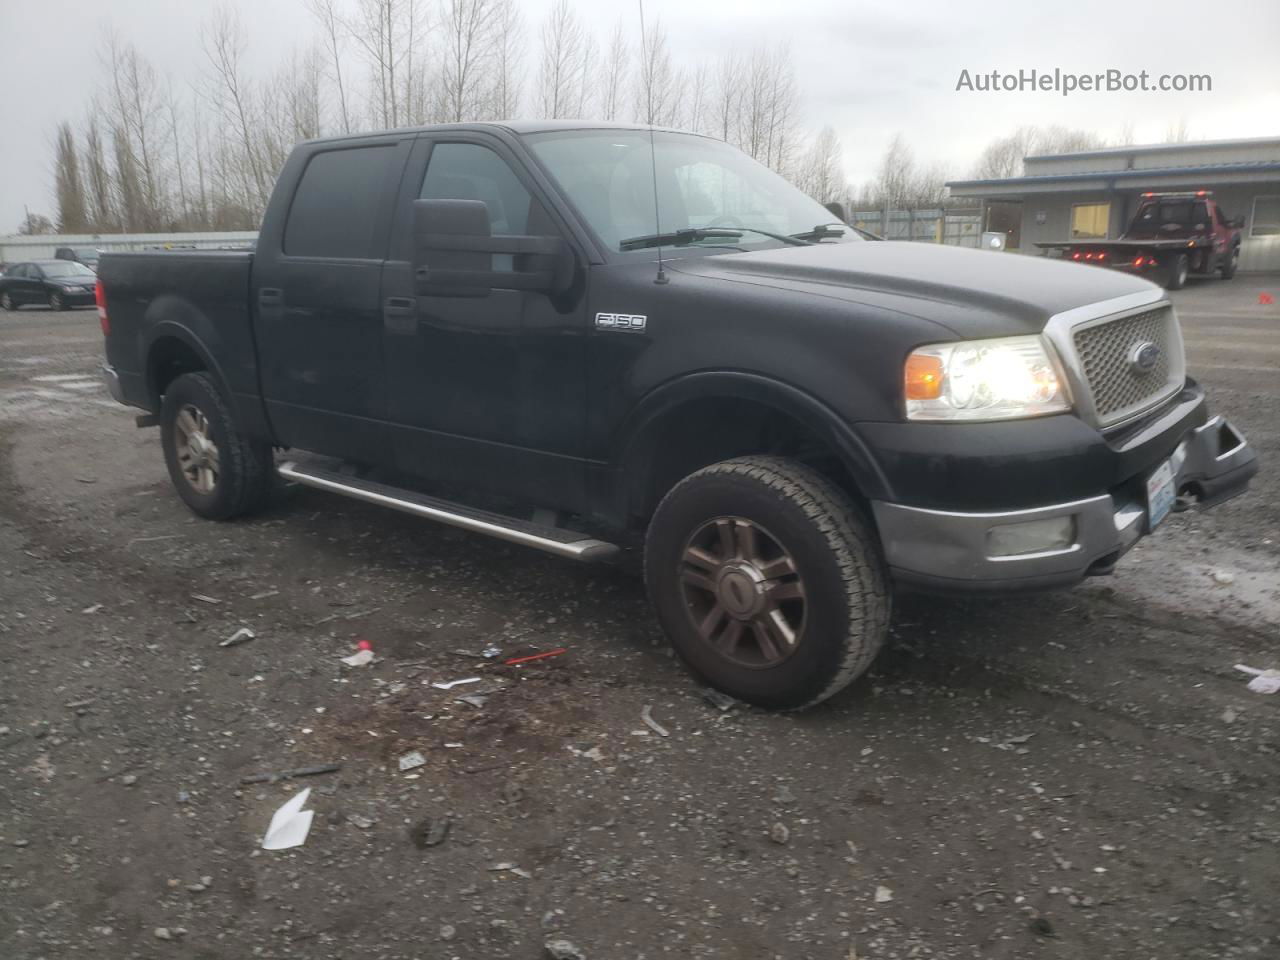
pixel 924 375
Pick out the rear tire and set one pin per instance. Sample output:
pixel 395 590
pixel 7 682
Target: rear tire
pixel 56 302
pixel 7 301
pixel 1179 269
pixel 1231 264
pixel 218 472
pixel 768 581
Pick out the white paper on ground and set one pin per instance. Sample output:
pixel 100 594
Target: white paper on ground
pixel 1264 681
pixel 290 824
pixel 361 658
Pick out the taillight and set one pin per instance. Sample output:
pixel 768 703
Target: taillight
pixel 100 299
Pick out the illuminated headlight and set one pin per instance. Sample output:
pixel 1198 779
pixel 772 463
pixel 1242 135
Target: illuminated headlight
pixel 984 380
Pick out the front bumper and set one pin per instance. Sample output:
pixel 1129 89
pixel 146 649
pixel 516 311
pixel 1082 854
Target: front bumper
pixel 947 551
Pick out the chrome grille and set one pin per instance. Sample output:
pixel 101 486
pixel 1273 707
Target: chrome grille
pixel 1105 350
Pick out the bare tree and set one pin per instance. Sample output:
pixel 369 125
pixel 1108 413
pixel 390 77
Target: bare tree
pixel 135 102
pixel 468 28
pixel 69 186
pixel 1177 132
pixel 384 32
pixel 333 32
pixel 821 171
pixel 655 95
pixel 1002 158
pixel 616 63
pixel 726 107
pixel 34 224
pixel 508 41
pixel 101 199
pixel 232 95
pixel 560 72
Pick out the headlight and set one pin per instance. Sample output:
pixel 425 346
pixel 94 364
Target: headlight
pixel 984 380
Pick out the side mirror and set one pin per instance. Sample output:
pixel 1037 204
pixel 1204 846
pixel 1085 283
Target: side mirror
pixel 837 210
pixel 454 251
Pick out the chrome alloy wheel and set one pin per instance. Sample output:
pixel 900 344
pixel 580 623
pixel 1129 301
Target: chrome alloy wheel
pixel 198 456
pixel 743 592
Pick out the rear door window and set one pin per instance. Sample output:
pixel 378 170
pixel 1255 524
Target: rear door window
pixel 335 209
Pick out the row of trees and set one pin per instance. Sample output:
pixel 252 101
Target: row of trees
pixel 150 156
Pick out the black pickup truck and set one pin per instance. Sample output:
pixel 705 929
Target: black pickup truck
pixel 578 337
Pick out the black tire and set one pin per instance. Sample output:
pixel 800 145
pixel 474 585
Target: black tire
pixel 244 466
pixel 56 302
pixel 1176 275
pixel 836 559
pixel 7 301
pixel 1231 264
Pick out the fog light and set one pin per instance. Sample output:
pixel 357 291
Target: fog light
pixel 1031 536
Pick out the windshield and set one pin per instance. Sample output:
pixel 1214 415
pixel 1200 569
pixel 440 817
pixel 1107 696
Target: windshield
pixel 66 268
pixel 1177 212
pixel 608 175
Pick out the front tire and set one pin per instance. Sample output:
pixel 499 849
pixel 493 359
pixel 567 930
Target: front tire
pixel 56 302
pixel 7 301
pixel 218 472
pixel 768 581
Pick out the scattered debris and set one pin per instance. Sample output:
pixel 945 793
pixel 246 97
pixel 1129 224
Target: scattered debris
pixel 94 609
pixel 511 868
pixel 593 754
pixel 779 833
pixel 784 795
pixel 1041 927
pixel 491 651
pixel 412 760
pixel 563 950
pixel 164 933
pixel 447 931
pixel 474 699
pixel 883 894
pixel 1264 681
pixel 80 704
pixel 1222 577
pixel 450 684
pixel 1229 715
pixel 204 599
pixel 515 661
pixel 290 774
pixel 243 635
pixel 646 715
pixel 361 658
pixel 129 779
pixel 430 832
pixel 364 823
pixel 264 594
pixel 721 701
pixel 290 824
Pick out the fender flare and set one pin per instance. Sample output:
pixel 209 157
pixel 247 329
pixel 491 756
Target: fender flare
pixel 171 329
pixel 635 432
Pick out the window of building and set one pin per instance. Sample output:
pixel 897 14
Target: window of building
pixel 1090 221
pixel 335 208
pixel 1266 217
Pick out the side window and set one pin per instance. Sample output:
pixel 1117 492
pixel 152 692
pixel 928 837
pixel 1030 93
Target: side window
pixel 1266 217
pixel 19 271
pixel 467 171
pixel 335 208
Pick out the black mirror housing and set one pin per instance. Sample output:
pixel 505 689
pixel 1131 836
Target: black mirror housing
pixel 453 252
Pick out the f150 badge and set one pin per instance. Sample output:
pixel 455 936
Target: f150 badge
pixel 620 321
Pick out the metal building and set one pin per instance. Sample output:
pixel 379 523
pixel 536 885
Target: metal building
pixel 1092 195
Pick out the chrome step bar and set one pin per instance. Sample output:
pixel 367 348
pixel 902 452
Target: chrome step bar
pixel 557 540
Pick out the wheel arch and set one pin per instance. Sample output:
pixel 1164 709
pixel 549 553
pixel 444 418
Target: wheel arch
pixel 702 418
pixel 171 350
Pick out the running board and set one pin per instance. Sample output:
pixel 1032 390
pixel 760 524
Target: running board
pixel 557 540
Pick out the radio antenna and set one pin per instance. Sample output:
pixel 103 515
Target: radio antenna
pixel 653 150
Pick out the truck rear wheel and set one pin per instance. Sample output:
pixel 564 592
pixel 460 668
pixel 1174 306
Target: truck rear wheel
pixel 1231 263
pixel 218 472
pixel 1176 275
pixel 768 581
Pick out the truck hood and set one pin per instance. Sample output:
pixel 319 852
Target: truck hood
pixel 971 292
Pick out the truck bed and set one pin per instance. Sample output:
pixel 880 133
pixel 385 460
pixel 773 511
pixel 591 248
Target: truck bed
pixel 1126 244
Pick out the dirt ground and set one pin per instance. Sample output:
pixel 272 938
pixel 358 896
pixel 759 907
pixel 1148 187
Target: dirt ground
pixel 1076 775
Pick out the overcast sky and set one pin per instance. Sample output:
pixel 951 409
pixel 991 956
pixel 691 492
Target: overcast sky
pixel 867 69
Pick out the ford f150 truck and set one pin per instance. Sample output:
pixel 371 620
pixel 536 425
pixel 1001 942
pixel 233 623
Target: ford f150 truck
pixel 1173 236
pixel 577 337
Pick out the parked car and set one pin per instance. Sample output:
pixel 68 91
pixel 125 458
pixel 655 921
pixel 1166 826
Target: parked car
pixel 578 336
pixel 86 255
pixel 60 284
pixel 1173 236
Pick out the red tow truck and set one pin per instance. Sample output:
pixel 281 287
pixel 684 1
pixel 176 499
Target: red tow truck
pixel 1173 236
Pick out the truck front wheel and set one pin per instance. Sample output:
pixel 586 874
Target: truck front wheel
pixel 218 472
pixel 768 581
pixel 1230 264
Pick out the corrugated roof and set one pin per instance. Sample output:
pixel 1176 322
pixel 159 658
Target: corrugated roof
pixel 1261 166
pixel 1160 148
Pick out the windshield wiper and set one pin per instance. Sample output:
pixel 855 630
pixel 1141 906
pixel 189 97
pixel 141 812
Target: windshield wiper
pixel 678 238
pixel 821 232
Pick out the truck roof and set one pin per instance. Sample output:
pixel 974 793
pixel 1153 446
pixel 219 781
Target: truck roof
pixel 520 127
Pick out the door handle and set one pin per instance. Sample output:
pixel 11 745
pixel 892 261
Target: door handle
pixel 270 297
pixel 400 306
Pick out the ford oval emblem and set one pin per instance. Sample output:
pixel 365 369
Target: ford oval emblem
pixel 1144 356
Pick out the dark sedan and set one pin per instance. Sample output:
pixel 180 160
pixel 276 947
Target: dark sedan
pixel 58 283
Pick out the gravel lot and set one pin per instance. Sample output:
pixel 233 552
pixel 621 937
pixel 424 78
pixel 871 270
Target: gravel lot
pixel 1075 775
